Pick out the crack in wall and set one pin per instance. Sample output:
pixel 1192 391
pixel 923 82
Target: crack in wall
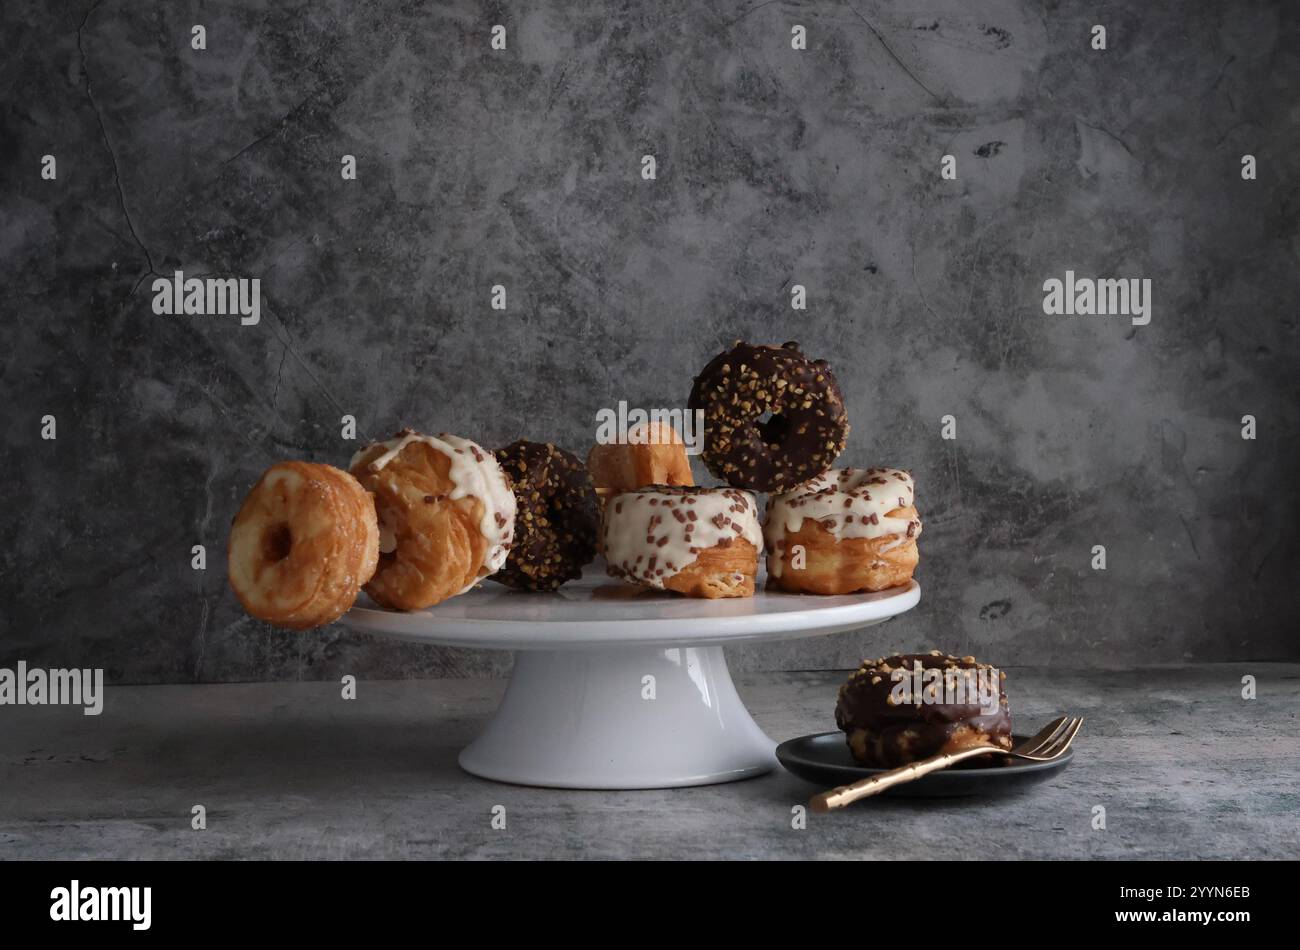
pixel 894 56
pixel 112 155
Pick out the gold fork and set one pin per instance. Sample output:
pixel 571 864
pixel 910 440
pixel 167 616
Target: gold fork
pixel 1049 744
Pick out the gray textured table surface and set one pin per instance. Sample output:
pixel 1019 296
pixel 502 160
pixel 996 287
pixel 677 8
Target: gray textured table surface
pixel 1183 766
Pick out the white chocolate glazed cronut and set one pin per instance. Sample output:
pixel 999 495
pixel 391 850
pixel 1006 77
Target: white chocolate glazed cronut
pixel 475 473
pixel 650 534
pixel 847 502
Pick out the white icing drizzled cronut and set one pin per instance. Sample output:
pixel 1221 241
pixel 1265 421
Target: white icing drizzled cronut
pixel 847 502
pixel 475 473
pixel 650 534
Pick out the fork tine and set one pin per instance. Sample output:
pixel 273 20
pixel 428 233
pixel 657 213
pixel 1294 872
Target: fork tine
pixel 1050 731
pixel 1031 746
pixel 1069 736
pixel 1062 742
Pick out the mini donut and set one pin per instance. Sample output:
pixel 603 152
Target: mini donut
pixel 772 417
pixel 892 715
pixel 557 518
pixel 701 542
pixel 653 454
pixel 303 543
pixel 446 516
pixel 847 530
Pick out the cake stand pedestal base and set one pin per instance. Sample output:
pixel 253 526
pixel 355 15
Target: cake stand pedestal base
pixel 620 717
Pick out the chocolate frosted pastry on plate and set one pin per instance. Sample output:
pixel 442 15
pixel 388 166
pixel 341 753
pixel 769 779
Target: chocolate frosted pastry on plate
pixel 557 517
pixel 892 713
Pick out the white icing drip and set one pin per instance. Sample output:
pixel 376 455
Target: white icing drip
pixel 650 535
pixel 847 502
pixel 474 472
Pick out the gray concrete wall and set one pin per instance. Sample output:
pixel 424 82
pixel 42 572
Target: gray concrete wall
pixel 775 167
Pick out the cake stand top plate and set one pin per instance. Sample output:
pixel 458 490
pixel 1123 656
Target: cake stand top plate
pixel 598 611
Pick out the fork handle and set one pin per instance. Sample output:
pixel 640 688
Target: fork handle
pixel 847 794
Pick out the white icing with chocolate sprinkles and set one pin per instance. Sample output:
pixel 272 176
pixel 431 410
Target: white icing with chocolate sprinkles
pixel 847 502
pixel 652 533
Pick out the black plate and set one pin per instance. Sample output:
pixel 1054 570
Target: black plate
pixel 824 760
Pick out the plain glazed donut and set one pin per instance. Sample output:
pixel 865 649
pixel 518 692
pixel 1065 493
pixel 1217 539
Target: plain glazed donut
pixel 303 543
pixel 773 418
pixel 653 454
pixel 557 516
pixel 701 542
pixel 847 530
pixel 446 517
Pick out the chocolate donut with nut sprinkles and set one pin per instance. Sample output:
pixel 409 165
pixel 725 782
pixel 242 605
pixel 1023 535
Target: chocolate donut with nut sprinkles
pixel 701 542
pixel 772 417
pixel 886 728
pixel 557 517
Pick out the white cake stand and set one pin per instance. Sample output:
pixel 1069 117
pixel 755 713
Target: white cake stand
pixel 615 686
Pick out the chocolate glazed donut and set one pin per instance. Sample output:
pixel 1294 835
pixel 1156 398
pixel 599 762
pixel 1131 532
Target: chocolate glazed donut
pixel 557 519
pixel 882 733
pixel 772 417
